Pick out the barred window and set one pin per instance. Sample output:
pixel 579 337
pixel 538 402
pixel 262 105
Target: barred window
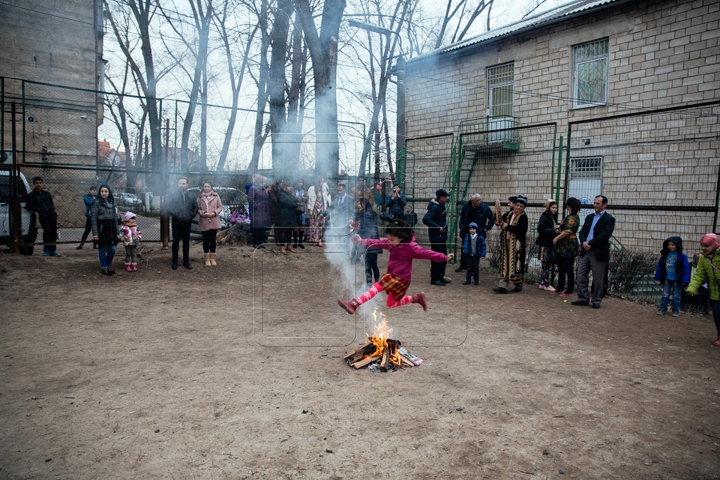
pixel 585 179
pixel 590 82
pixel 500 90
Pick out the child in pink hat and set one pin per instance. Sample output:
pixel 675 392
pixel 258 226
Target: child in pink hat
pixel 130 235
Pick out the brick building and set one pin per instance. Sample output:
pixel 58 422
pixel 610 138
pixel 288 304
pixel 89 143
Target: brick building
pixel 629 85
pixel 52 43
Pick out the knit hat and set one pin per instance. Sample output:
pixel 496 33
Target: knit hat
pixel 128 216
pixel 521 199
pixel 442 193
pixel 711 239
pixel 473 225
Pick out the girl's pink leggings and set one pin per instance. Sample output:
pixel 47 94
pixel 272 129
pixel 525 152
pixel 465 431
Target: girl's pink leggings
pixel 391 302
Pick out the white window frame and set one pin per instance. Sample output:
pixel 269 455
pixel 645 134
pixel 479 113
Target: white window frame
pixel 593 59
pixel 589 169
pixel 493 83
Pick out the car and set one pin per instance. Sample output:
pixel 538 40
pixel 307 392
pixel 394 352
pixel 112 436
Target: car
pixel 231 199
pixel 128 200
pixel 28 225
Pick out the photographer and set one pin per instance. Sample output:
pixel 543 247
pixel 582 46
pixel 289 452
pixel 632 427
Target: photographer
pixel 396 203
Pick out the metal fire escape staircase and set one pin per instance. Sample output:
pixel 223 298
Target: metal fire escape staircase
pixel 474 138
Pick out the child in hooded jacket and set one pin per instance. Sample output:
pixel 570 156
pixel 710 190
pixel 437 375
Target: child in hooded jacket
pixel 673 272
pixel 400 242
pixel 130 235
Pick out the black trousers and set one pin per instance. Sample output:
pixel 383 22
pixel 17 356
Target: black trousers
pixel 48 223
pixel 437 269
pixel 473 267
pixel 181 231
pixel 88 229
pixel 565 272
pixel 209 240
pixel 258 236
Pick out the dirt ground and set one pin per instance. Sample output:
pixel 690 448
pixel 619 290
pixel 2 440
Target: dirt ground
pixel 237 372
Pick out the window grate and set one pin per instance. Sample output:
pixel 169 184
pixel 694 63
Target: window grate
pixel 586 168
pixel 500 90
pixel 591 73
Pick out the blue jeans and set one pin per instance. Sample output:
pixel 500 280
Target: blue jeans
pixel 371 267
pixel 106 254
pixel 715 307
pixel 672 289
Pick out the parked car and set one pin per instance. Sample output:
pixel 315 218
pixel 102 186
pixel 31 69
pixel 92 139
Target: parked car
pixel 28 226
pixel 231 199
pixel 128 200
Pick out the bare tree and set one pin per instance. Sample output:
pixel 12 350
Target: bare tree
pixel 202 13
pixel 462 14
pixel 378 68
pixel 236 77
pixel 140 14
pixel 323 48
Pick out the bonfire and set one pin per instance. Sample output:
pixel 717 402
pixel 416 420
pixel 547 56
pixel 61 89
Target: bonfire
pixel 381 347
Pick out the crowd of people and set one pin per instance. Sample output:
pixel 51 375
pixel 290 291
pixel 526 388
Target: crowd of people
pixel 301 215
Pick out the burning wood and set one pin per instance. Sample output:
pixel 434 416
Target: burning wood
pixel 381 348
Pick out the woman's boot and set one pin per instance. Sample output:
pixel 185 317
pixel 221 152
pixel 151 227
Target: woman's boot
pixel 207 259
pixel 212 260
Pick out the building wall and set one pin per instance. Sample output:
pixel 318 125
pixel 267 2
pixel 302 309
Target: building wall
pixel 661 54
pixel 55 42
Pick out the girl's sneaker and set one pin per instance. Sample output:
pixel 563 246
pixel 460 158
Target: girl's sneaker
pixel 134 268
pixel 565 294
pixel 128 268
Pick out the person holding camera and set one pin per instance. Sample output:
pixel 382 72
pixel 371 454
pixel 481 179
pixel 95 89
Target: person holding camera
pixel 396 203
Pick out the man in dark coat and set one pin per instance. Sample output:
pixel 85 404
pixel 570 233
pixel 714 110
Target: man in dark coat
pixel 183 208
pixel 41 201
pixel 436 221
pixel 594 237
pixel 474 211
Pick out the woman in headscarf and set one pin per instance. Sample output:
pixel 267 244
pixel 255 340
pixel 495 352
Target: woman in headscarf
pixel 318 203
pixel 209 209
pixel 104 218
pixel 565 247
pixel 512 239
pixel 547 229
pixel 709 268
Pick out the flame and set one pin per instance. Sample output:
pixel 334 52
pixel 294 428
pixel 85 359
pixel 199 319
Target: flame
pixel 381 333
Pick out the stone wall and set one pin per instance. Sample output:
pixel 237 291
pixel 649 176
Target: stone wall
pixel 59 43
pixel 661 54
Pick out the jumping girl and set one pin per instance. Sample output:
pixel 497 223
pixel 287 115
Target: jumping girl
pixel 400 242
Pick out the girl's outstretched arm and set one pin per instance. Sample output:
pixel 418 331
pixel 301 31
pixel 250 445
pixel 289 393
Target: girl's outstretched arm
pixel 420 252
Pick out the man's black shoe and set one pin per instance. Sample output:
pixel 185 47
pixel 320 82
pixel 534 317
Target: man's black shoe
pixel 500 290
pixel 459 269
pixel 578 303
pixel 596 305
pixel 466 282
pixel 187 265
pixel 439 283
pixel 447 280
pixel 174 265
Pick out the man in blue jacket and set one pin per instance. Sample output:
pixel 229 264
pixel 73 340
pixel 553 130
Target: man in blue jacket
pixel 436 221
pixel 594 240
pixel 88 199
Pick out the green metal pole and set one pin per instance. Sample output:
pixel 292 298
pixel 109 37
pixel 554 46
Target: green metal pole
pixel 559 169
pixel 2 117
pixel 23 122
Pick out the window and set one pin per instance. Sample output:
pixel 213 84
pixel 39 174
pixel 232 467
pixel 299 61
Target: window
pixel 590 80
pixel 500 90
pixel 585 182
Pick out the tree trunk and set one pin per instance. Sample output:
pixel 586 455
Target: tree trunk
pixel 323 53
